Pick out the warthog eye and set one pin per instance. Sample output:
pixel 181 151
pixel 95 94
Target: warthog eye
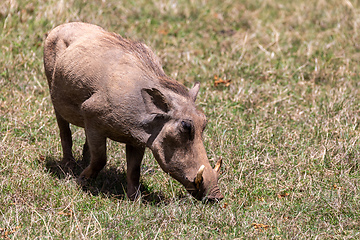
pixel 187 127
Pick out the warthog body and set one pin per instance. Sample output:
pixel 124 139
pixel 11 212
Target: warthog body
pixel 116 88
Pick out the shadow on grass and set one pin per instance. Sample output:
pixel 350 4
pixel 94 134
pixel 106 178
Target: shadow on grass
pixel 110 181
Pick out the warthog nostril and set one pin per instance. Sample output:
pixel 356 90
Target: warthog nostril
pixel 214 195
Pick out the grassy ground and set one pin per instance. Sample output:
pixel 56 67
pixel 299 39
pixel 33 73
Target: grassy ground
pixel 287 126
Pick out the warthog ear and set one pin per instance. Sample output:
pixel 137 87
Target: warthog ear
pixel 155 101
pixel 194 91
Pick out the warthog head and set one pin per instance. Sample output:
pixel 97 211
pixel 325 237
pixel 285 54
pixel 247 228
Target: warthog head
pixel 177 142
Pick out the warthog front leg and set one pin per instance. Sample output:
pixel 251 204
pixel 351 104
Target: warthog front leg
pixel 134 156
pixel 86 153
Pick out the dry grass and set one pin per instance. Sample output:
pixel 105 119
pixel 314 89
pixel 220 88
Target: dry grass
pixel 287 126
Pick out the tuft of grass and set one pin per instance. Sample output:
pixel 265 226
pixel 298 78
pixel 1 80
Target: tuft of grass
pixel 287 127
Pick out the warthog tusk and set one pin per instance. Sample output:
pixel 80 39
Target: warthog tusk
pixel 199 177
pixel 218 165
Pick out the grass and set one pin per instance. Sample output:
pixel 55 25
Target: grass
pixel 287 127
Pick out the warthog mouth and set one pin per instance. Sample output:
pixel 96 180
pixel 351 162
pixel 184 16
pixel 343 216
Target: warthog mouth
pixel 213 194
pixel 212 197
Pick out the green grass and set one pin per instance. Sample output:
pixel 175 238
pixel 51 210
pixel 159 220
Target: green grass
pixel 287 127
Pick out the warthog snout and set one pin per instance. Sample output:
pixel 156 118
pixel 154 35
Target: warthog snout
pixel 206 191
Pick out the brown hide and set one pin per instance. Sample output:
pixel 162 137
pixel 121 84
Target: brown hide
pixel 116 88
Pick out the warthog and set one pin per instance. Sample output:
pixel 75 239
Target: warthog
pixel 116 88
